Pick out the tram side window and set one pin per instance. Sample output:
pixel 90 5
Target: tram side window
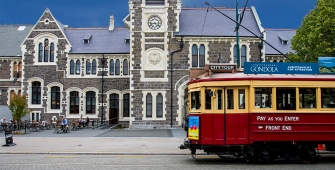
pixel 219 100
pixel 195 100
pixel 307 98
pixel 208 99
pixel 328 97
pixel 230 98
pixel 263 97
pixel 241 98
pixel 286 98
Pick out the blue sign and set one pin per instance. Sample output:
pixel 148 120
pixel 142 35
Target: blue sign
pixel 280 68
pixel 327 65
pixel 193 127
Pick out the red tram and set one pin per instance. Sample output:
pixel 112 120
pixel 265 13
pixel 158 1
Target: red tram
pixel 262 117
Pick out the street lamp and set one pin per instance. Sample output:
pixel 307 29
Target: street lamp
pixel 181 45
pixel 102 88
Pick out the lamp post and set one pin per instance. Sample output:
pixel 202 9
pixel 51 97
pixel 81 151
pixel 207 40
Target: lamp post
pixel 181 45
pixel 102 88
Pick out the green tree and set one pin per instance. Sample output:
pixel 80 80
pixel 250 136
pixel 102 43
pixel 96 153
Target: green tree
pixel 19 108
pixel 316 35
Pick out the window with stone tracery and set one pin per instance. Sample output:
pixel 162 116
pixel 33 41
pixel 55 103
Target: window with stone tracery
pixel 46 51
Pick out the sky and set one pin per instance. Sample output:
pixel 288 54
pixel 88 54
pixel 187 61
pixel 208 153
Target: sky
pixel 96 13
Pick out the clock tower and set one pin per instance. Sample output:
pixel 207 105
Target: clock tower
pixel 152 24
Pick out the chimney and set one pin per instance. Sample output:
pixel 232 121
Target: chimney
pixel 111 23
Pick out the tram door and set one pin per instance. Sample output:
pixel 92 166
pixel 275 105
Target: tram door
pixel 231 123
pixel 114 109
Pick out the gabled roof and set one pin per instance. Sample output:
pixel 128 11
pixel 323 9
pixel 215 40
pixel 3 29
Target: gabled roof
pixel 101 41
pixel 194 22
pixel 11 37
pixel 275 38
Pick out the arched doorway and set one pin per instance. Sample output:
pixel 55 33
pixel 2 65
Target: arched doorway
pixel 113 109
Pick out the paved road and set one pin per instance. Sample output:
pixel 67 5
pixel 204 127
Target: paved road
pixel 139 162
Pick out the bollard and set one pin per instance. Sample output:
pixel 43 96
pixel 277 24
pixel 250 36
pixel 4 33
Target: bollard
pixel 93 124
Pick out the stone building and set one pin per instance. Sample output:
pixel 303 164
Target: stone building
pixel 123 75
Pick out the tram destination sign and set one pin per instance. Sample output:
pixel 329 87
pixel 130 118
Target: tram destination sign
pixel 280 68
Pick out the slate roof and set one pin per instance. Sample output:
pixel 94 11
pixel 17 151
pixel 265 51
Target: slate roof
pixel 193 23
pixel 101 41
pixel 275 37
pixel 11 38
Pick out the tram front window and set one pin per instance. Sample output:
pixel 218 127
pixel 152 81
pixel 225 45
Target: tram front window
pixel 195 100
pixel 286 98
pixel 263 97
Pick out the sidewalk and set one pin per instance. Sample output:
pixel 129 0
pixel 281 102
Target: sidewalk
pixel 98 142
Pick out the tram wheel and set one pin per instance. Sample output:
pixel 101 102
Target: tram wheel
pixel 261 156
pixel 308 155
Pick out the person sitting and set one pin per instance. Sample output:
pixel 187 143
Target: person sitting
pixel 87 121
pixel 64 124
pixel 81 121
pixel 13 123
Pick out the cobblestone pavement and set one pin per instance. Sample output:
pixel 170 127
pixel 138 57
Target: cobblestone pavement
pixel 88 141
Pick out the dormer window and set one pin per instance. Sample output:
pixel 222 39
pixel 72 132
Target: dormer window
pixel 284 39
pixel 155 2
pixel 86 39
pixel 127 39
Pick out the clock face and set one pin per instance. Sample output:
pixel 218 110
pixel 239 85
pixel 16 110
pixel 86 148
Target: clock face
pixel 154 22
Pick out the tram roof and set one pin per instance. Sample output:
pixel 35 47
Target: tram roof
pixel 240 76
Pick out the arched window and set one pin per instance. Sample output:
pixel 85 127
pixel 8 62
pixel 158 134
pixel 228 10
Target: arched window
pixel 159 105
pixel 46 50
pixel 88 67
pixel 40 52
pixel 12 94
pixel 90 102
pixel 52 52
pixel 194 56
pixel 126 105
pixel 94 67
pixel 114 101
pixel 15 70
pixel 74 102
pixel 111 67
pixel 55 97
pixel 20 70
pixel 78 67
pixel 117 67
pixel 36 92
pixel 202 56
pixel 71 67
pixel 149 105
pixel 125 67
pixel 243 55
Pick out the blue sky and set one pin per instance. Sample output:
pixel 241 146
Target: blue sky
pixel 95 13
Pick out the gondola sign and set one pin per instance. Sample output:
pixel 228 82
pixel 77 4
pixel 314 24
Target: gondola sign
pixel 280 68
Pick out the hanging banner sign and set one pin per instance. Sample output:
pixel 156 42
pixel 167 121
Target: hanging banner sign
pixel 193 127
pixel 280 68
